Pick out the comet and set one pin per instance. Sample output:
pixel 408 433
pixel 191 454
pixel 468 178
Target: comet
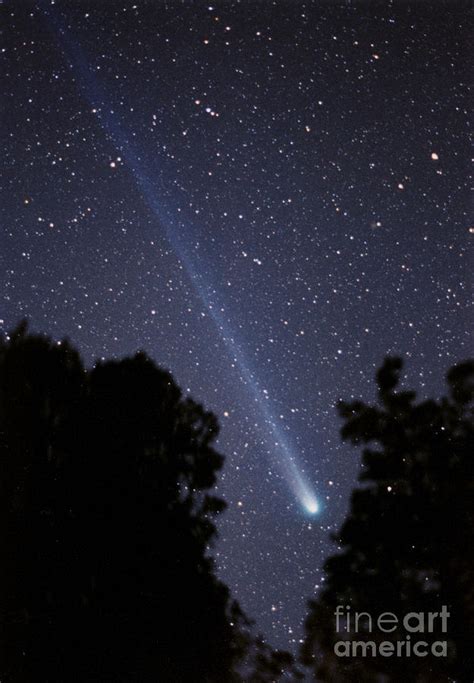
pixel 279 447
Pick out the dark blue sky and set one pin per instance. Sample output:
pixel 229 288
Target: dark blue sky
pixel 266 197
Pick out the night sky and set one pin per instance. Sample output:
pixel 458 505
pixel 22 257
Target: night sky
pixel 266 197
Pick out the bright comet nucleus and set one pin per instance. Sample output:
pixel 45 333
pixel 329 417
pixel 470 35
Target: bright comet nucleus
pixel 311 505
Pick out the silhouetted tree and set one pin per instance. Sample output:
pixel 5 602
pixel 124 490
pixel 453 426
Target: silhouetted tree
pixel 408 542
pixel 268 665
pixel 106 522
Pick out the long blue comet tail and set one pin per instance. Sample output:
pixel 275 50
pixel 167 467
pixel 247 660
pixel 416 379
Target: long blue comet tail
pixel 95 92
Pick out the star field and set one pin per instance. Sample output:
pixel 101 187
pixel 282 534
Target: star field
pixel 266 197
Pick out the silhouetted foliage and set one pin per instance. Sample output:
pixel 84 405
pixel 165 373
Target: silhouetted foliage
pixel 408 542
pixel 268 665
pixel 105 525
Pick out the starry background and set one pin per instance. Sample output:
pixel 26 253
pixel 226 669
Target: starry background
pixel 267 197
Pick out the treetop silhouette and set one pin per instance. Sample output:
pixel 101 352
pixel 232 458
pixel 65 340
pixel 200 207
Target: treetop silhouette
pixel 106 521
pixel 407 544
